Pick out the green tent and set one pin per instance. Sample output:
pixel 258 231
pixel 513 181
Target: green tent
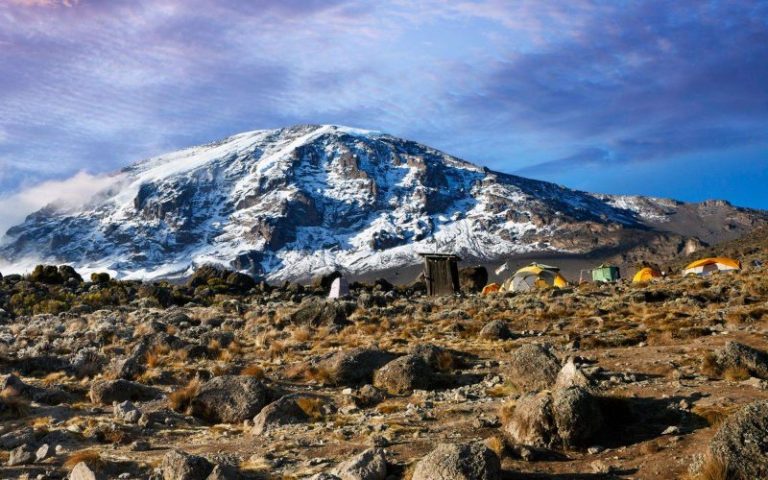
pixel 606 273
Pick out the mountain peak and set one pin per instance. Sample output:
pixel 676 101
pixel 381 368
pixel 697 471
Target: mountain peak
pixel 294 202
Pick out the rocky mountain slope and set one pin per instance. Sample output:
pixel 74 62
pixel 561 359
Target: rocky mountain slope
pixel 296 202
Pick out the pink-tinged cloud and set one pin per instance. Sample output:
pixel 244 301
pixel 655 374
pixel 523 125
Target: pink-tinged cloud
pixel 44 3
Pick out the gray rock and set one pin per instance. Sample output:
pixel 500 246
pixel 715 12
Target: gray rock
pixel 319 312
pixel 532 422
pixel 353 367
pixel 470 461
pixel 496 330
pixel 17 437
pixel 229 399
pixel 107 391
pixel 569 417
pixel 133 365
pixel 287 410
pixel 83 472
pixel 22 455
pixel 178 465
pixel 223 472
pixel 533 367
pixel 741 442
pixel 577 416
pixel 369 465
pixel 126 411
pixel 42 452
pixel 404 375
pixel 571 376
pixel 738 355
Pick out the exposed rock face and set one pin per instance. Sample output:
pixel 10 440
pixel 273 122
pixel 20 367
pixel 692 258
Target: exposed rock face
pixel 404 375
pixel 741 443
pixel 229 399
pixel 469 461
pixel 310 199
pixel 533 367
pixel 738 355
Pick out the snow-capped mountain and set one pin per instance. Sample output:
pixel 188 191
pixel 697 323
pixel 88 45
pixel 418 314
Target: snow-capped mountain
pixel 300 201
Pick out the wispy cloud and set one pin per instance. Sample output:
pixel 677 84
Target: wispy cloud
pixel 68 193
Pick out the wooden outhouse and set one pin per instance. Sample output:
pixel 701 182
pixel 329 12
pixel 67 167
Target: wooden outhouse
pixel 441 273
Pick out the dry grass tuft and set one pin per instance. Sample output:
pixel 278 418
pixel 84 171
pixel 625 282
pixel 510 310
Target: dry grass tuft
pixel 506 411
pixel 90 457
pixel 710 367
pixel 180 399
pixel 312 407
pixel 712 469
pixel 714 414
pixel 736 374
pixel 253 371
pixel 16 405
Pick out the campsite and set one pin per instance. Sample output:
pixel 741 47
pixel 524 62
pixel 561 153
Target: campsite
pixel 627 374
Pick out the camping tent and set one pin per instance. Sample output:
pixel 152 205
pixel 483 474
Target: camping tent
pixel 706 266
pixel 606 273
pixel 490 288
pixel 533 276
pixel 339 288
pixel 645 275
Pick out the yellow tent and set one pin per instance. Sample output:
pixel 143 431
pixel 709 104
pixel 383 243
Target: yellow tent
pixel 490 288
pixel 706 266
pixel 645 275
pixel 534 276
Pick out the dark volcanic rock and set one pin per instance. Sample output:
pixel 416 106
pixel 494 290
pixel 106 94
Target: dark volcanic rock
pixel 738 355
pixel 178 465
pixel 289 409
pixel 319 312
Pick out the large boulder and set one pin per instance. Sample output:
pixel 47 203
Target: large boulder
pixel 532 367
pixel 496 330
pixel 468 461
pixel 738 355
pixel 107 391
pixel 473 279
pixel 229 399
pixel 319 312
pixel 741 442
pixel 369 465
pixel 178 465
pixel 405 374
pixel 289 409
pixel 568 417
pixel 353 367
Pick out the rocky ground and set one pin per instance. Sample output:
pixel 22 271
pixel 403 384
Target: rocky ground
pixel 225 378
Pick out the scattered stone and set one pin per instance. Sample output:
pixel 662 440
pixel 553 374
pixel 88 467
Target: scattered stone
pixel 83 472
pixel 22 455
pixel 353 367
pixel 126 412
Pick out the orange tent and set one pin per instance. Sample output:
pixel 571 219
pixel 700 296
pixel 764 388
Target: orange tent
pixel 705 266
pixel 645 275
pixel 490 288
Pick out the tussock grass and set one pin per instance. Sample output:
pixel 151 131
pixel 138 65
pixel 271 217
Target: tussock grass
pixel 90 457
pixel 180 399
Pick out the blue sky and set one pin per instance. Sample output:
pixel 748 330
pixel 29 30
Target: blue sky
pixel 645 97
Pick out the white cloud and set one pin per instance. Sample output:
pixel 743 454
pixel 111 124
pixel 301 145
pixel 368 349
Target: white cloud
pixel 70 192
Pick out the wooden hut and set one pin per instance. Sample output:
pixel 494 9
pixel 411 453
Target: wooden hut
pixel 441 273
